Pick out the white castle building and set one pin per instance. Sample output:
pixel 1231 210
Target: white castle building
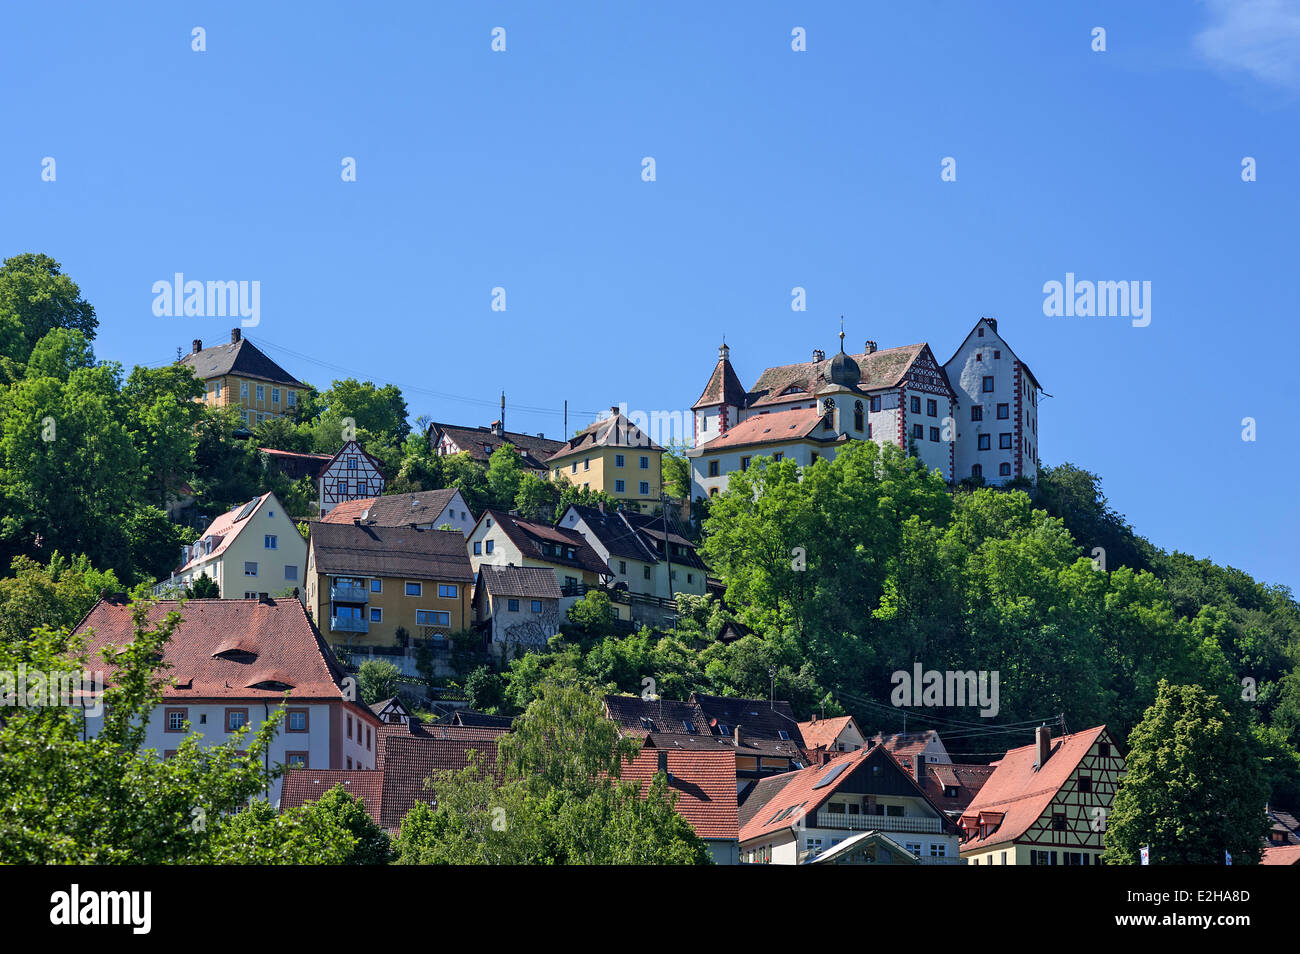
pixel 975 416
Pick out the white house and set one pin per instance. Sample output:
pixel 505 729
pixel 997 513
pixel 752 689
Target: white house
pixel 233 661
pixel 251 550
pixel 351 474
pixel 516 607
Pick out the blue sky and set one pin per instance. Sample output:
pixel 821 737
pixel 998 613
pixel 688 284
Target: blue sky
pixel 774 169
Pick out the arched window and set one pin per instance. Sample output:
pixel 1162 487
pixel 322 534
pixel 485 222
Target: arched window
pixel 858 422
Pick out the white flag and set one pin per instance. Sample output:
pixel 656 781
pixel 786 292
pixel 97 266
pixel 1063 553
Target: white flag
pixel 1146 855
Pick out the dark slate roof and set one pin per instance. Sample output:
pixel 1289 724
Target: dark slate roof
pixel 653 528
pixel 240 357
pixel 613 431
pixel 758 718
pixel 881 369
pixel 409 760
pixel 616 534
pixel 724 386
pixel 664 726
pixel 529 536
pixel 531 582
pixel 395 510
pixel 664 715
pixel 343 548
pixel 760 793
pixel 472 718
pixel 480 442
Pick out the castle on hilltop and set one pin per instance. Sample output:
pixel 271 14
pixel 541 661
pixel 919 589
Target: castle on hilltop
pixel 974 417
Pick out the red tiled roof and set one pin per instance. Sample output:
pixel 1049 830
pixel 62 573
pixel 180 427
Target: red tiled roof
pixel 724 387
pixel 966 779
pixel 884 368
pixel 226 527
pixel 410 760
pixel 295 455
pixel 1022 794
pixel 777 427
pixel 285 645
pixel 301 786
pixel 705 785
pixel 822 733
pixel 1281 855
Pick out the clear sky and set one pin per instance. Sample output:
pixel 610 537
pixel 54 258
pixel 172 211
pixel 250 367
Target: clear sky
pixel 774 169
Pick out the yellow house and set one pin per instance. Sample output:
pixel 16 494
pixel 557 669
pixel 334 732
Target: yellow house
pixel 1046 803
pixel 613 455
pixel 366 582
pixel 239 375
pixel 252 550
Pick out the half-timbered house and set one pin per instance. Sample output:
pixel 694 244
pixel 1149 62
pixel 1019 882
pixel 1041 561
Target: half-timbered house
pixel 351 474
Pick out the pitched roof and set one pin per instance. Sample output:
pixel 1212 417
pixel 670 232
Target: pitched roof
pixel 472 718
pixel 965 779
pixel 705 785
pixel 993 325
pixel 1280 855
pixel 240 357
pixel 616 535
pixel 301 786
pixel 883 368
pixel 779 427
pixel 653 528
pixel 758 718
pixel 352 447
pixel 231 649
pixel 613 431
pixel 409 760
pixel 530 537
pixel 772 808
pixel 530 582
pixel 724 386
pixel 296 456
pixel 903 746
pixel 822 733
pixel 663 724
pixel 1021 794
pixel 224 529
pixel 346 549
pixel 395 510
pixel 480 442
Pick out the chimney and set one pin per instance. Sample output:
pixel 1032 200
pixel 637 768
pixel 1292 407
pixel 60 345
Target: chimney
pixel 918 767
pixel 1042 746
pixel 497 428
pixel 265 598
pixel 819 354
pixel 871 347
pixel 613 412
pixel 356 521
pixel 198 345
pixel 542 435
pixel 234 335
pixel 993 323
pixel 739 738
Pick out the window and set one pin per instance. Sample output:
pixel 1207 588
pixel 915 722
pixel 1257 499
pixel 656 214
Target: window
pixel 352 463
pixel 250 569
pixel 1103 749
pixel 271 542
pixel 914 406
pixel 979 355
pixel 1037 857
pixel 931 408
pixel 1058 821
pixel 349 725
pixel 914 847
pixel 622 567
pixel 1075 858
pixel 342 488
pixel 537 606
pixel 644 488
pixel 976 470
pixel 478 548
pixel 744 463
pixel 645 572
pixel 645 462
pixel 1004 854
pixel 1004 469
pixel 985 441
pixel 918 431
pixel 413 589
pixel 981 331
pixel 619 460
pixel 296 720
pixel 1004 412
pixel 218 389
pixel 996 353
pixel 938 850
pixel 575 468
pixel 295 760
pixel 1004 441
pixel 620 486
pixel 487 546
pixel 236 719
pixel 293 398
pixel 934 433
pixel 290 572
pixel 875 404
pixel 376 586
pixel 376 614
pixel 175 720
pixel 988 384
pixel 448 591
pixel 713 468
pixel 261 393
pixel 243 390
pixel 275 395
pixel 512 605
pixel 250 594
pixel 432 618
pixel 859 418
pixel 1085 783
pixel 690 577
pixel 778 456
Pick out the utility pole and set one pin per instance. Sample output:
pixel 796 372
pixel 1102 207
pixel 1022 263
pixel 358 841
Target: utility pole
pixel 565 434
pixel 668 547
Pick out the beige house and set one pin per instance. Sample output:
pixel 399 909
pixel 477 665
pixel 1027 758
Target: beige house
pixel 613 455
pixel 240 375
pixel 250 551
pixel 516 607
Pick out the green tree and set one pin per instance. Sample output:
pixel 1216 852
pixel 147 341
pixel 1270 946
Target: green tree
pixel 336 809
pixel 203 588
pixel 505 470
pixel 377 680
pixel 163 415
pixel 259 835
pixel 56 594
pixel 35 299
pixel 1192 789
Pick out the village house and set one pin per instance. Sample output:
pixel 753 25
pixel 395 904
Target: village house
pixel 1043 802
pixel 250 551
pixel 704 784
pixel 649 563
pixel 505 539
pixel 836 734
pixel 232 662
pixel 479 443
pixel 517 608
pixel 351 474
pixel 427 509
pixel 794 817
pixel 239 375
pixel 615 456
pixel 370 586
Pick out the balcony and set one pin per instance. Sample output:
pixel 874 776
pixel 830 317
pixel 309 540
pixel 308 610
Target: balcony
pixel 346 593
pixel 349 624
pixel 897 823
pixel 942 860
